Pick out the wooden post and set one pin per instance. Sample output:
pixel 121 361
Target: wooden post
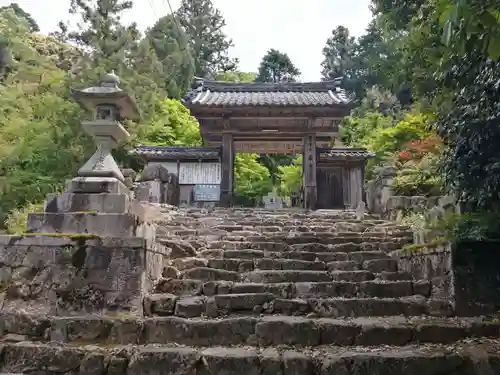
pixel 363 190
pixel 227 170
pixel 309 172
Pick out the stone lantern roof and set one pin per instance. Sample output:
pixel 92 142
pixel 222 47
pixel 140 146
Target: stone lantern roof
pixel 109 93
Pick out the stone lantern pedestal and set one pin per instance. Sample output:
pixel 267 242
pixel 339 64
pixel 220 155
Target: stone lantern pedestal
pixel 92 251
pixel 97 202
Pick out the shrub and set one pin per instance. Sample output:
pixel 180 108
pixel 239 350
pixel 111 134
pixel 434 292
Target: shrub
pixel 17 219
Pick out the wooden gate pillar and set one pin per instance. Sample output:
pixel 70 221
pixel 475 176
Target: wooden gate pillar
pixel 309 171
pixel 227 170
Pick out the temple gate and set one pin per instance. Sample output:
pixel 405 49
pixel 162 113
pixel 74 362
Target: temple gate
pixel 282 119
pixel 273 119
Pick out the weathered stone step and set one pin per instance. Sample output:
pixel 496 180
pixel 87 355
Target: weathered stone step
pixel 268 303
pixel 245 330
pixel 242 265
pixel 252 254
pixel 430 359
pixel 280 245
pixel 375 288
pixel 291 276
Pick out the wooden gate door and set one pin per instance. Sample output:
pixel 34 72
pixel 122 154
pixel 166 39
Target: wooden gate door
pixel 329 185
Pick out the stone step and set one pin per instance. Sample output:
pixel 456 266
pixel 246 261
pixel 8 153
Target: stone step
pixel 265 264
pixel 246 265
pixel 291 276
pixel 268 303
pixel 281 245
pixel 458 358
pixel 249 254
pixel 243 330
pixel 374 288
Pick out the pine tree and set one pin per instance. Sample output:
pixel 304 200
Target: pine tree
pixel 101 33
pixel 170 44
pixel 209 45
pixel 277 67
pixel 339 52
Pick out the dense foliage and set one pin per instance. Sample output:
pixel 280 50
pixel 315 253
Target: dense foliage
pixel 277 67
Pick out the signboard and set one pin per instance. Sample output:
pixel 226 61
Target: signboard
pixel 207 193
pixel 199 173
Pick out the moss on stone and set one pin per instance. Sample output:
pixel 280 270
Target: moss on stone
pixel 92 213
pixel 73 236
pixel 433 244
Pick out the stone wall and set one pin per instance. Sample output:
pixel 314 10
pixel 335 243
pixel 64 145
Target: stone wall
pixel 381 200
pixel 379 190
pixel 396 207
pixel 66 275
pixel 157 185
pixel 467 274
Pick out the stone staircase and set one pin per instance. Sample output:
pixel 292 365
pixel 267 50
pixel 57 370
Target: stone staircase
pixel 256 292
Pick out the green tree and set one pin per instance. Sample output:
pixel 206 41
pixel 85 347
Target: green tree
pixel 236 76
pixel 209 44
pixel 471 25
pixel 252 179
pixel 102 33
pixel 171 46
pixel 338 54
pixel 290 177
pixel 106 44
pixel 21 13
pixel 41 141
pixel 277 67
pixel 397 14
pixel 172 124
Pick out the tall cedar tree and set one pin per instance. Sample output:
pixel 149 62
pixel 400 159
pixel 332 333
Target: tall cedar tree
pixel 277 67
pixel 101 32
pixel 339 53
pixel 209 45
pixel 170 43
pixel 106 44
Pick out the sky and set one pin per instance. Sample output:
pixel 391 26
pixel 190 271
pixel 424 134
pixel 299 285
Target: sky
pixel 299 28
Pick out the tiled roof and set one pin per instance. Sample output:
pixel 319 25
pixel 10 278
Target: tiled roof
pixel 345 153
pixel 165 152
pixel 223 94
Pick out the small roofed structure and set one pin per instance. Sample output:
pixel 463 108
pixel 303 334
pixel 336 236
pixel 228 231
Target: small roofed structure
pixel 340 177
pixel 269 118
pixel 198 170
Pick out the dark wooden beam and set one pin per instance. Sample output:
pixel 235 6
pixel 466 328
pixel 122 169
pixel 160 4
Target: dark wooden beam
pixel 246 112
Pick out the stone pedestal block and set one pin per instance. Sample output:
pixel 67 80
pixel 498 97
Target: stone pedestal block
pixel 96 185
pixel 68 275
pixel 84 202
pixel 113 225
pixel 150 191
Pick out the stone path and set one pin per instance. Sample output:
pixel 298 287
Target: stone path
pixel 255 292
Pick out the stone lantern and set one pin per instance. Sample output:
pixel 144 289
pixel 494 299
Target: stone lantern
pixel 96 201
pixel 108 104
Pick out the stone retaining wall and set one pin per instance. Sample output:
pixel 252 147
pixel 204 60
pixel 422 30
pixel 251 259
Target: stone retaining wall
pixel 397 207
pixel 380 199
pixel 157 185
pixel 76 274
pixel 465 274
